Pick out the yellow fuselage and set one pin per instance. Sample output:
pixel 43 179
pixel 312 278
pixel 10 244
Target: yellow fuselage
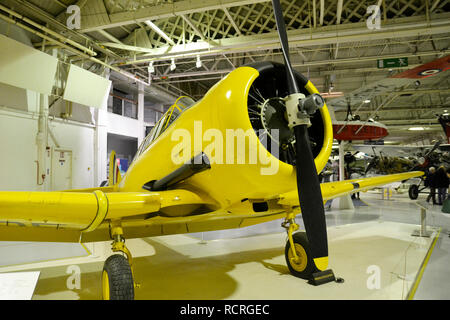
pixel 222 109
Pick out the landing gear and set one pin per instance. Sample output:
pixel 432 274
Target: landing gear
pixel 303 266
pixel 117 277
pixel 297 251
pixel 413 191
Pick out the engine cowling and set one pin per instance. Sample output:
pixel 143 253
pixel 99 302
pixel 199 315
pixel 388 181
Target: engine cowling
pixel 267 111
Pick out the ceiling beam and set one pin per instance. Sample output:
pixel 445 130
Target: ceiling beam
pixel 109 36
pixel 166 10
pixel 322 10
pixel 408 27
pixel 194 27
pixel 155 28
pixel 339 11
pixel 233 23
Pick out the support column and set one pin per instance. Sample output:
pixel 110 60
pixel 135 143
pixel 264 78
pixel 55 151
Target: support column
pixel 344 202
pixel 140 113
pixel 41 142
pixel 100 141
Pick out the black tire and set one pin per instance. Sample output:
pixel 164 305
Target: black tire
pixel 118 278
pixel 306 267
pixel 413 191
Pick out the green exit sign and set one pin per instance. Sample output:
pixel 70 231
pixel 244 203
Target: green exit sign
pixel 392 63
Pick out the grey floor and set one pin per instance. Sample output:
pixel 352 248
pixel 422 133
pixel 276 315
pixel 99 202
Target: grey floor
pixel 435 281
pixel 18 252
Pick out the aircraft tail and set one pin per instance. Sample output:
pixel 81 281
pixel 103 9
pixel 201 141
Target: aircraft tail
pixel 114 176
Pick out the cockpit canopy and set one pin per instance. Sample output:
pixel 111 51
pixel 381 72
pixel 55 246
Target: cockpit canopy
pixel 181 105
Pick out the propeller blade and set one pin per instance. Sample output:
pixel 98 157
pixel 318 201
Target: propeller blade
pixel 436 145
pixel 308 185
pixel 310 197
pixel 292 83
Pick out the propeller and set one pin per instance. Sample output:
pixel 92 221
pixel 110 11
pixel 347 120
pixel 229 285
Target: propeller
pixel 436 145
pixel 308 185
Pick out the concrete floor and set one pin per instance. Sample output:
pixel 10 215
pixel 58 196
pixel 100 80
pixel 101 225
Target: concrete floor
pixel 249 263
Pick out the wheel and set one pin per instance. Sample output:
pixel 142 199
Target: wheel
pixel 413 192
pixel 117 279
pixel 305 267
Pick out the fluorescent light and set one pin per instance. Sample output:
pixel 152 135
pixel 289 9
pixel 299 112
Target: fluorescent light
pixel 416 128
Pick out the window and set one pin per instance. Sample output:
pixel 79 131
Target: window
pixel 123 104
pixel 117 105
pixel 181 105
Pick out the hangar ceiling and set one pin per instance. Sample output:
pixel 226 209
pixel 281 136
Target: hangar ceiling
pixel 331 43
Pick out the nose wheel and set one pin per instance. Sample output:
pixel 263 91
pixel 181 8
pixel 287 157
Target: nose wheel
pixel 303 265
pixel 297 251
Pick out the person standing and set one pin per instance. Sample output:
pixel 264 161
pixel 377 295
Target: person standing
pixel 442 183
pixel 430 182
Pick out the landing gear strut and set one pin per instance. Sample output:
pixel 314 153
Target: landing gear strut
pixel 117 278
pixel 299 258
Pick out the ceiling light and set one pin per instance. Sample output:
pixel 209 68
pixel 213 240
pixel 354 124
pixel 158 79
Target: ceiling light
pixel 172 65
pixel 416 128
pixel 198 63
pixel 151 68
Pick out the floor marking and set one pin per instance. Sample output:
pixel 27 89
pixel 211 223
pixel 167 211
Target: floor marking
pixel 422 268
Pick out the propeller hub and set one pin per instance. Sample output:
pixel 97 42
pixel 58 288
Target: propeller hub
pixel 299 108
pixel 273 112
pixel 294 115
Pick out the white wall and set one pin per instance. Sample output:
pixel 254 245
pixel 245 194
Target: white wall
pixel 18 151
pixel 125 126
pixel 18 168
pixel 18 130
pixel 79 139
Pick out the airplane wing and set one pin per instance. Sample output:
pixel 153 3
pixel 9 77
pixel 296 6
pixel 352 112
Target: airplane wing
pixel 390 84
pixel 389 150
pixel 367 91
pixel 84 216
pixel 74 213
pixel 398 150
pixel 331 190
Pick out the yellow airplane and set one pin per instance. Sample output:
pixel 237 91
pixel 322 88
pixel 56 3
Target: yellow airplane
pixel 162 193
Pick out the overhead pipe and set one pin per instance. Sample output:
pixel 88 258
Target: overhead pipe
pixel 49 31
pixel 127 74
pixel 50 19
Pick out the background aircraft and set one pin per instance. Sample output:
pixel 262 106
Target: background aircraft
pixel 389 159
pixel 157 196
pixel 390 84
